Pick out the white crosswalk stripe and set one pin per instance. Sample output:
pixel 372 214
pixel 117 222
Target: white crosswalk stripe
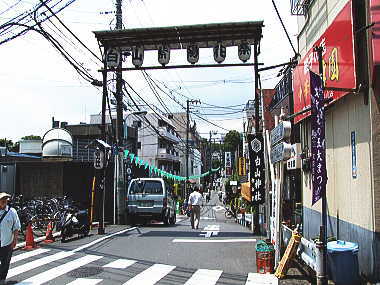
pixel 204 277
pixel 85 281
pixel 120 263
pixel 37 263
pixel 261 279
pixel 29 254
pixel 60 270
pixel 151 275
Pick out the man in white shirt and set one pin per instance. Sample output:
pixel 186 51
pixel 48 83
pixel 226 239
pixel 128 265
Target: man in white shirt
pixel 195 202
pixel 9 227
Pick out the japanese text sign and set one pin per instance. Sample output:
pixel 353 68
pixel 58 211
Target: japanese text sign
pixel 257 167
pixel 242 168
pixel 338 63
pixel 318 142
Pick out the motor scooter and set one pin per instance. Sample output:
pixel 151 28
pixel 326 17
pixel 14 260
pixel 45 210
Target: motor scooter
pixel 74 221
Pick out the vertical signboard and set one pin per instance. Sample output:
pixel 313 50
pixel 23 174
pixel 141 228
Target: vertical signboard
pixel 353 155
pixel 318 141
pixel 228 163
pixel 242 168
pixel 257 171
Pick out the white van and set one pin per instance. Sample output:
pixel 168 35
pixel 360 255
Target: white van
pixel 150 199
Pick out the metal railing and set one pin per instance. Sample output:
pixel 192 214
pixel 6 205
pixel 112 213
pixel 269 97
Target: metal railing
pixel 307 250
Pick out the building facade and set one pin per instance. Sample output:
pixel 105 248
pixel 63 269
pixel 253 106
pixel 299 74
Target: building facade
pixel 342 28
pixel 157 143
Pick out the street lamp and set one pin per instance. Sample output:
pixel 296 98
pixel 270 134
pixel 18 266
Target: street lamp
pixel 118 187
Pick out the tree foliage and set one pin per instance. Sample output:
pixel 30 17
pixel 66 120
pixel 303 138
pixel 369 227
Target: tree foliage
pixel 232 140
pixel 11 146
pixel 31 137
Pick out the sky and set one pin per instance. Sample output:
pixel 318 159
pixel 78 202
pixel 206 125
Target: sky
pixel 37 83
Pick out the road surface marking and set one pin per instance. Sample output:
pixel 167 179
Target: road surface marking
pixel 120 263
pixel 26 255
pixel 204 277
pixel 60 270
pixel 37 263
pixel 261 279
pixel 207 218
pixel 103 238
pixel 218 208
pixel 85 281
pixel 151 275
pixel 214 240
pixel 210 230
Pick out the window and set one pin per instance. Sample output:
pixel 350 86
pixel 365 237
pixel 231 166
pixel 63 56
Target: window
pixel 146 187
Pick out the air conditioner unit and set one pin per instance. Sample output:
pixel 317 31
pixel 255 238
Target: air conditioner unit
pixel 294 162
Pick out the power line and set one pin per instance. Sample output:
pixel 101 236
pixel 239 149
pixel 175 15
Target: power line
pixel 284 28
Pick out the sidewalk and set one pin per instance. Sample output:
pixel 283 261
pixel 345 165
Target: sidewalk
pixel 296 275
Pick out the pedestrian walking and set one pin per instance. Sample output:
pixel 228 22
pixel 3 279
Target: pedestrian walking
pixel 195 202
pixel 9 227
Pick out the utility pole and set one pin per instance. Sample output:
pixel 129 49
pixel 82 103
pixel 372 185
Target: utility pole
pixel 322 244
pixel 119 166
pixel 187 144
pixel 102 184
pixel 188 102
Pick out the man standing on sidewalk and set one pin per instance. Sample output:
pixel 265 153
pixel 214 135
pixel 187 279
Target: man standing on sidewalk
pixel 9 227
pixel 195 202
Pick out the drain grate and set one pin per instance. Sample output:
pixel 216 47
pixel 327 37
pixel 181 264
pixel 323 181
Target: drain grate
pixel 83 272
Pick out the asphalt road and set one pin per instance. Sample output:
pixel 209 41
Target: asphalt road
pixel 219 252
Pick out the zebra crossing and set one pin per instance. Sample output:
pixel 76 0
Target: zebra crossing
pixel 52 266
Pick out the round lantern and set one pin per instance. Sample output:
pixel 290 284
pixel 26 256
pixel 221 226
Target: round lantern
pixel 137 56
pixel 192 53
pixel 163 55
pixel 220 52
pixel 244 51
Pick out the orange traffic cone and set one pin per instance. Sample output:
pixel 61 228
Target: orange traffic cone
pixel 49 234
pixel 29 240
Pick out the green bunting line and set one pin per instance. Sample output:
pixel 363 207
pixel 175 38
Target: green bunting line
pixel 140 162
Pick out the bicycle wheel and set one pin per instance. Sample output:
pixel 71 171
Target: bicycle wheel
pixel 228 214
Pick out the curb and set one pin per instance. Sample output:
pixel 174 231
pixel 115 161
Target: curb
pixel 37 240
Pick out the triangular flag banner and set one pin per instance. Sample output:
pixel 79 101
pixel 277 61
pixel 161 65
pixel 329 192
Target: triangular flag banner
pixel 131 156
pixel 141 162
pixel 126 153
pixel 146 165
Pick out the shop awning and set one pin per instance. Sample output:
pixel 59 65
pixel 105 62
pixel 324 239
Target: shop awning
pixel 246 191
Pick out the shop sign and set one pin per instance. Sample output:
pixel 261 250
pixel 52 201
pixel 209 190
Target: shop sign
pixel 353 155
pixel 338 63
pixel 282 90
pixel 375 38
pixel 242 168
pixel 281 132
pixel 257 167
pixel 280 152
pixel 228 163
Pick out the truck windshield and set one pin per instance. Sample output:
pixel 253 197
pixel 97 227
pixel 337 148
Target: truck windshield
pixel 146 187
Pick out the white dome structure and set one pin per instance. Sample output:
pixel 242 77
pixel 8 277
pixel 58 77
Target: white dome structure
pixel 57 143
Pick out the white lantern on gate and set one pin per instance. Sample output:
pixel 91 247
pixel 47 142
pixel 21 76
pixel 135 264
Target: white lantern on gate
pixel 244 51
pixel 137 56
pixel 193 53
pixel 220 52
pixel 163 54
